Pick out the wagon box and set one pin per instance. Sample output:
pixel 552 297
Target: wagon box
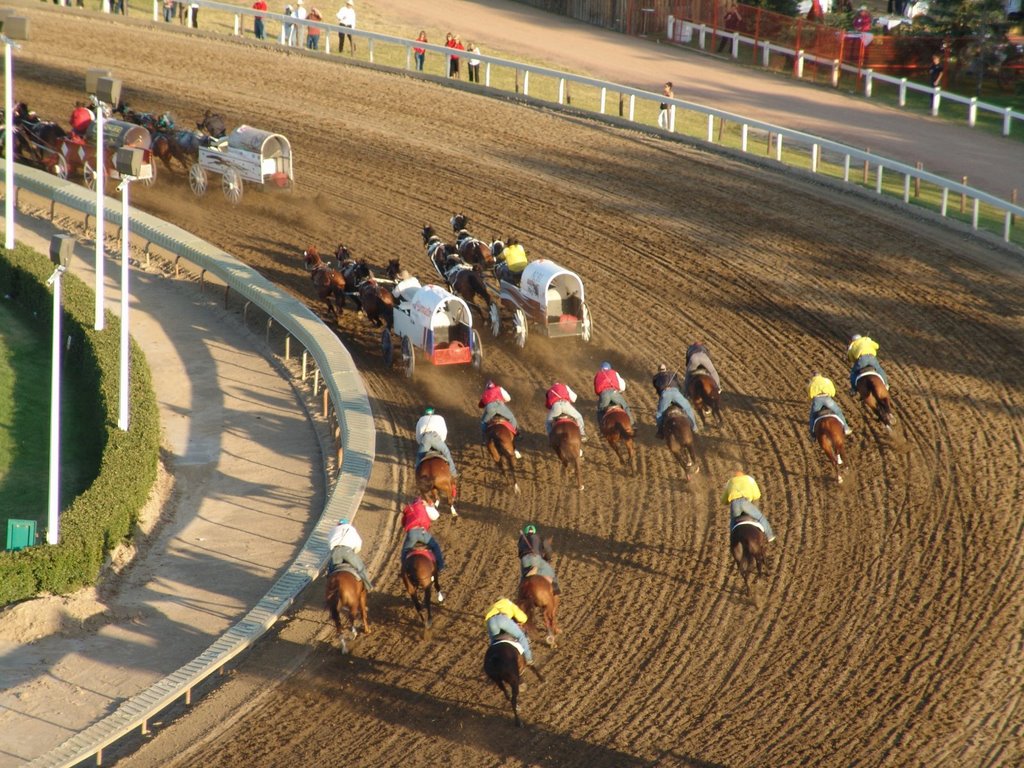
pixel 439 324
pixel 247 154
pixel 549 296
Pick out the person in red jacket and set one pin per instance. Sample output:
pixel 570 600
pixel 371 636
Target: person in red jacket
pixel 609 386
pixel 493 402
pixel 558 401
pixel 416 520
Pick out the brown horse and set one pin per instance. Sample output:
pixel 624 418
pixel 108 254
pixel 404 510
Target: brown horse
pixel 678 434
pixel 328 282
pixel 565 441
pixel 376 300
pixel 346 591
pixel 37 142
pixel 434 482
pixel 828 432
pixel 164 143
pixel 702 392
pixel 875 395
pixel 419 574
pixel 536 592
pixel 616 429
pixel 500 444
pixel 748 544
pixel 503 663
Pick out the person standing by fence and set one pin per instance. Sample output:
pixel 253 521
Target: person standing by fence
pixel 474 63
pixel 732 19
pixel 258 27
pixel 313 33
pixel 300 29
pixel 346 18
pixel 664 110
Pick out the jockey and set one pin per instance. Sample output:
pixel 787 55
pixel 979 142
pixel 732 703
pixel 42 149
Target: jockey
pixel 534 554
pixel 344 545
pixel 740 494
pixel 667 386
pixel 81 119
pixel 821 390
pixel 493 402
pixel 697 357
pixel 511 261
pixel 609 386
pixel 861 353
pixel 406 286
pixel 165 123
pixel 416 520
pixel 431 433
pixel 504 617
pixel 558 401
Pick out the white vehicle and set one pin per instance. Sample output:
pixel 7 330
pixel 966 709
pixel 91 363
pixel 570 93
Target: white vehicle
pixel 246 154
pixel 550 297
pixel 439 324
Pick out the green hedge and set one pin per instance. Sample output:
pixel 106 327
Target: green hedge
pixel 105 514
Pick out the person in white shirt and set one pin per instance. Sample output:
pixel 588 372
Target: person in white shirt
pixel 431 434
pixel 300 29
pixel 344 544
pixel 346 18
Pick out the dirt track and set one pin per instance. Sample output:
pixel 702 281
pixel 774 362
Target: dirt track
pixel 890 630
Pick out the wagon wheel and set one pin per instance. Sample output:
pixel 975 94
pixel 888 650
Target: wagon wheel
pixel 408 357
pixel 387 346
pixel 59 167
pixel 231 183
pixel 198 180
pixel 477 360
pixel 588 325
pixel 521 328
pixel 495 320
pixel 90 176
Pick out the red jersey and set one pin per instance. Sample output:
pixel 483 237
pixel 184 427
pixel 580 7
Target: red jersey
pixel 606 380
pixel 555 394
pixel 81 119
pixel 493 394
pixel 415 516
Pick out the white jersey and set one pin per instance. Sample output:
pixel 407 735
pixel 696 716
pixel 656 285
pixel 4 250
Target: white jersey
pixel 347 16
pixel 345 536
pixel 432 423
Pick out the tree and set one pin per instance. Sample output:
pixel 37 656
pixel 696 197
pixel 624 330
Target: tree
pixel 977 32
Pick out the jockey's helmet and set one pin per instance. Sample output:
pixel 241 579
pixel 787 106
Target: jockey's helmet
pixel 343 521
pixel 855 337
pixel 428 412
pixel 662 368
pixel 606 366
pixel 529 529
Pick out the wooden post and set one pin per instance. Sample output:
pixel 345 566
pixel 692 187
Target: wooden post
pixel 621 106
pixel 721 127
pixel 1013 199
pixel 768 147
pixel 917 180
pixel 963 197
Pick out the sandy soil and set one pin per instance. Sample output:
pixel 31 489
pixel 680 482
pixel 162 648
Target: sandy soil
pixel 889 632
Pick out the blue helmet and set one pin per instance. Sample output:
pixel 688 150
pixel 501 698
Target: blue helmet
pixel 343 521
pixel 606 366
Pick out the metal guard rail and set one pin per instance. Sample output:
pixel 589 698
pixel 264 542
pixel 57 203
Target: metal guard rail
pixel 358 441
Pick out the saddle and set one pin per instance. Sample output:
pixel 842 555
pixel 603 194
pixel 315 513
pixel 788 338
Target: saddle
pixel 453 269
pixel 343 567
pixel 865 373
pixel 421 550
pixel 509 640
pixel 823 413
pixel 431 454
pixel 747 520
pixel 532 571
pixel 500 421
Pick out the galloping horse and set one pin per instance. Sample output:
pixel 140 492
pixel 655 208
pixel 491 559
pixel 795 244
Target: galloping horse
pixel 419 574
pixel 346 591
pixel 875 395
pixel 616 429
pixel 679 439
pixel 36 142
pixel 565 441
pixel 748 543
pixel 165 145
pixel 702 392
pixel 503 663
pixel 327 281
pixel 536 592
pixel 476 252
pixel 434 482
pixel 828 431
pixel 376 300
pixel 499 438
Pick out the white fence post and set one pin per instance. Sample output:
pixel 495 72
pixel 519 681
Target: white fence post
pixel 1007 119
pixel 744 132
pixel 800 64
pixel 370 49
pixel 977 210
pixel 903 91
pixel 936 98
pixel 736 45
pixel 765 54
pixel 604 97
pixel 869 75
pixel 815 154
pixel 487 74
pixel 238 25
pixel 703 36
pixel 906 188
pixel 778 148
pixel 878 182
pixel 711 129
pixel 945 201
pixel 835 73
pixel 972 112
pixel 846 169
pixel 156 10
pixel 632 106
pixel 561 90
pixel 671 118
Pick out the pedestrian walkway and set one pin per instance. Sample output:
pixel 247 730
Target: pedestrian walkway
pixel 248 484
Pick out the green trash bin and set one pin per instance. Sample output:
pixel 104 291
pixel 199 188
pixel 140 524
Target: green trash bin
pixel 21 534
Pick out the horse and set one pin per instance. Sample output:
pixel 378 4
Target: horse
pixel 37 142
pixel 702 392
pixel 328 282
pixel 164 144
pixel 828 432
pixel 419 574
pixel 213 125
pixel 537 592
pixel 473 251
pixel 499 436
pixel 503 663
pixel 678 434
pixel 616 429
pixel 875 396
pixel 434 482
pixel 376 301
pixel 565 441
pixel 748 544
pixel 346 591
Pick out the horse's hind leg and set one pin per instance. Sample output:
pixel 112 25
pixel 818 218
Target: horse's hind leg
pixel 515 703
pixel 363 613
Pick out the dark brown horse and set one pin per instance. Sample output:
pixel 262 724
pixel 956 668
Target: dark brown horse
pixel 503 663
pixel 616 429
pixel 499 437
pixel 678 434
pixel 565 442
pixel 828 432
pixel 471 250
pixel 164 139
pixel 328 282
pixel 536 592
pixel 36 142
pixel 419 574
pixel 875 395
pixel 748 544
pixel 702 392
pixel 434 482
pixel 346 591
pixel 374 297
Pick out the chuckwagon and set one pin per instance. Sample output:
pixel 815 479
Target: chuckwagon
pixel 439 324
pixel 549 297
pixel 245 154
pixel 78 152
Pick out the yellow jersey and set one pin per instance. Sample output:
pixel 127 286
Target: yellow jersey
pixel 507 607
pixel 821 385
pixel 515 257
pixel 861 346
pixel 741 487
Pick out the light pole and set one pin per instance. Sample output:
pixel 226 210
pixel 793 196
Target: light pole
pixel 11 28
pixel 61 247
pixel 130 165
pixel 104 91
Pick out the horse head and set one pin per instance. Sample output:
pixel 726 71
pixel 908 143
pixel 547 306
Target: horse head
pixel 459 221
pixel 311 258
pixel 394 269
pixel 497 246
pixel 461 234
pixel 342 253
pixel 428 233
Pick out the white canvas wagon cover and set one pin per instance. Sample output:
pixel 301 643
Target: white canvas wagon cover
pixel 433 307
pixel 543 281
pixel 263 143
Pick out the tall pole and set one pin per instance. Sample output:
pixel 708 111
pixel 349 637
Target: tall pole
pixel 8 148
pixel 100 176
pixel 122 414
pixel 53 501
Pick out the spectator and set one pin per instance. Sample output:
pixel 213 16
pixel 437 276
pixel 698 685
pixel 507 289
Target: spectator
pixel 455 44
pixel 663 110
pixel 346 18
pixel 474 64
pixel 313 33
pixel 288 28
pixel 258 28
pixel 194 13
pixel 816 13
pixel 732 24
pixel 301 14
pixel 420 53
pixel 935 71
pixel 168 6
pixel 862 21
